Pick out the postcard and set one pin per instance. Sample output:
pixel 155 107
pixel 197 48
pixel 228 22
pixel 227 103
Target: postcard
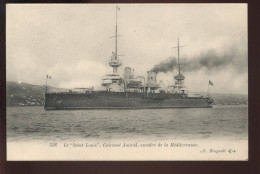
pixel 127 82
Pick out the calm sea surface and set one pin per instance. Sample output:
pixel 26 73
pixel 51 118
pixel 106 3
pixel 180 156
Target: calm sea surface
pixel 220 122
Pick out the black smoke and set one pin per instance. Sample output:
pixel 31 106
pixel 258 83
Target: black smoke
pixel 166 66
pixel 210 61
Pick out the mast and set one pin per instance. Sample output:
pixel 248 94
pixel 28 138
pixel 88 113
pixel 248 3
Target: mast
pixel 179 56
pixel 179 78
pixel 114 62
pixel 113 82
pixel 116 34
pixel 46 87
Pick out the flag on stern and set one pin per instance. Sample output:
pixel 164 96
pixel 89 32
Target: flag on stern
pixel 117 8
pixel 210 83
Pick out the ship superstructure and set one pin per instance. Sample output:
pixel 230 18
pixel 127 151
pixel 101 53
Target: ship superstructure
pixel 128 91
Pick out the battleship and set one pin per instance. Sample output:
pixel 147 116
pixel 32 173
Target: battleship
pixel 128 91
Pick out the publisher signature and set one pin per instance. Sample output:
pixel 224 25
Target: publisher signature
pixel 218 151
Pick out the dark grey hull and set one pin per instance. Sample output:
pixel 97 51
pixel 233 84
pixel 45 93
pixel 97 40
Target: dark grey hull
pixel 110 100
pixel 122 108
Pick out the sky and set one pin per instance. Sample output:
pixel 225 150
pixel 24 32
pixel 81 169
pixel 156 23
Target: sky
pixel 72 44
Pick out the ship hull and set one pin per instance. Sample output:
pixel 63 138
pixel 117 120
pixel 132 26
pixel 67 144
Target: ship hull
pixel 122 100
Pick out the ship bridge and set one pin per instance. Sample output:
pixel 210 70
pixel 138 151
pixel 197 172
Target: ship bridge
pixel 113 82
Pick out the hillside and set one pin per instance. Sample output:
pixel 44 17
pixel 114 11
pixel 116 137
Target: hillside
pixel 24 94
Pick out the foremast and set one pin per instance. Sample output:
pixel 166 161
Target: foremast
pixel 114 62
pixel 113 82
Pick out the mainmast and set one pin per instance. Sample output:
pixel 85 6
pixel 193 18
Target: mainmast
pixel 178 55
pixel 114 62
pixel 179 78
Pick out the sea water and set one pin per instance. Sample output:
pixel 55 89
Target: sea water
pixel 218 133
pixel 35 123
